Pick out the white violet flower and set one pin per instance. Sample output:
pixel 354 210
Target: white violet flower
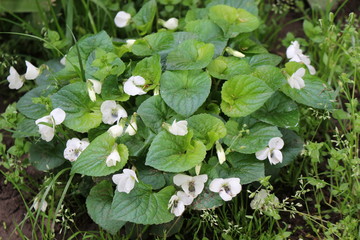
pixel 132 127
pixel 130 42
pixel 112 112
pixel 125 181
pixel 63 60
pixel 227 188
pixel 113 158
pixel 171 24
pixel 122 19
pixel 47 123
pixel 74 147
pixel 116 131
pixel 32 72
pixel 192 186
pixel 93 87
pixel 295 80
pixel 179 128
pixel 178 202
pixel 131 86
pixel 220 152
pixel 295 54
pixel 15 80
pixel 36 205
pixel 272 152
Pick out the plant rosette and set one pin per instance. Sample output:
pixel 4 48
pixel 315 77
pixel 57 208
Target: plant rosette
pixel 177 119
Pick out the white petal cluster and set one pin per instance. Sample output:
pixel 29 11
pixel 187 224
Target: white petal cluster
pixel 113 158
pixel 272 152
pixel 296 79
pixel 179 128
pixel 36 205
pixel 112 112
pixel 47 123
pixel 16 81
pixel 32 72
pixel 227 188
pixel 178 202
pixel 94 87
pixel 171 24
pixel 132 127
pixel 125 181
pixel 192 186
pixel 220 152
pixel 133 86
pixel 122 19
pixel 74 147
pixel 295 54
pixel 116 131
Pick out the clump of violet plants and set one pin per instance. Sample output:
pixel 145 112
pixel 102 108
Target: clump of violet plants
pixel 175 119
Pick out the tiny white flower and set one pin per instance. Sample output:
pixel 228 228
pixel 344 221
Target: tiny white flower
pixel 131 86
pixel 295 80
pixel 15 80
pixel 56 117
pixel 220 152
pixel 171 24
pixel 179 128
pixel 130 42
pixel 112 112
pixel 234 52
pixel 37 204
pixel 227 188
pixel 125 181
pixel 132 127
pixel 93 87
pixel 32 72
pixel 74 147
pixel 122 19
pixel 192 186
pixel 272 152
pixel 116 131
pixel 63 60
pixel 178 202
pixel 295 54
pixel 113 158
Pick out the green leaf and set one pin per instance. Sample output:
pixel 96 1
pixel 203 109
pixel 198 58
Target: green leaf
pixel 34 110
pixel 228 67
pixel 264 59
pixel 151 176
pixel 315 94
pixel 142 206
pixel 208 32
pixel 242 95
pixel 207 200
pixel 154 111
pixel 98 205
pixel 86 46
pixel 233 21
pixel 92 161
pixel 156 43
pixel 175 153
pixel 207 129
pixel 190 54
pixel 26 128
pixel 46 155
pixel 150 69
pixel 249 138
pixel 47 75
pixel 111 89
pixel 248 5
pixel 185 91
pixel 279 110
pixel 271 75
pixel 144 18
pixel 81 113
